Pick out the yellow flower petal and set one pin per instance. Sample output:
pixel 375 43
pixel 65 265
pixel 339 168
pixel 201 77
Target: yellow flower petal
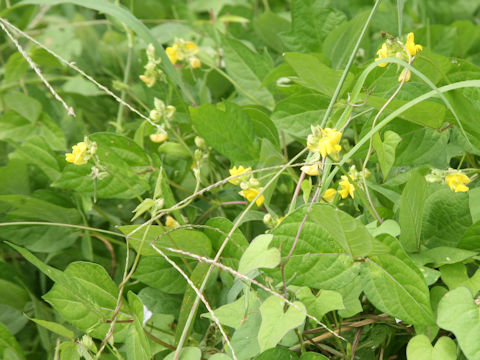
pixel 238 171
pixel 171 222
pixel 191 48
pixel 410 45
pixel 346 188
pixel 457 182
pixel 172 53
pixel 78 156
pixel 311 170
pixel 402 74
pixel 329 195
pixel 195 62
pixel 160 137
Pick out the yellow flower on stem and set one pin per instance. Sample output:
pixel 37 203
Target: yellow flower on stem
pixel 191 48
pixel 410 45
pixel 329 195
pixel 79 155
pixel 402 75
pixel 311 170
pixel 250 194
pixel 171 222
pixel 382 54
pixel 347 188
pixel 172 53
pixel 326 143
pixel 238 171
pixel 195 62
pixel 159 137
pixel 457 182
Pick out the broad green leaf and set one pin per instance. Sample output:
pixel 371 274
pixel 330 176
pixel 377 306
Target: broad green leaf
pixel 322 258
pixel 258 255
pixel 316 75
pixel 26 106
pixel 236 313
pixel 79 85
pixel 159 302
pixel 15 127
pixel 93 304
pixel 187 353
pixel 397 288
pixel 14 178
pixel 264 127
pixel 136 344
pixel 321 303
pixel 267 26
pixel 276 323
pixel 419 348
pixel 15 68
pixel 277 353
pixel 474 203
pixel 456 275
pixel 446 217
pixel 56 328
pixel 9 345
pixel 471 238
pixel 458 313
pixel 423 146
pixel 159 274
pixel 350 298
pixel 412 204
pixel 312 21
pixel 182 239
pixel 245 339
pixel 340 42
pixel 229 131
pixel 12 318
pixel 69 351
pixel 236 244
pixel 37 152
pixel 312 356
pixel 386 150
pixel 297 113
pixel 248 69
pixel 442 255
pixel 197 277
pixel 12 295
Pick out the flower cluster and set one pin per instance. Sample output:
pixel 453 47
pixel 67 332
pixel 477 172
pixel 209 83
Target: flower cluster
pixel 346 187
pixel 324 141
pixel 397 49
pixel 81 152
pixel 152 72
pixel 159 113
pixel 249 185
pixel 455 179
pixel 184 50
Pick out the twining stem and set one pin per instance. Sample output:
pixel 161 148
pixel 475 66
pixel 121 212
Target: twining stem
pixel 297 191
pixel 126 76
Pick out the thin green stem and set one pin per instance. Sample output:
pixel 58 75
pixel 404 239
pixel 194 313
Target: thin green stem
pixel 126 77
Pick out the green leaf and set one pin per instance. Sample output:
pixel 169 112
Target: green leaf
pixel 315 75
pixel 276 323
pixel 297 113
pixel 13 295
pixel 264 127
pixel 442 255
pixel 230 132
pixel 456 275
pixel 15 68
pixel 423 146
pixel 386 150
pixel 8 344
pixel 474 204
pixel 312 21
pixel 397 288
pixel 159 274
pixel 259 255
pixel 412 203
pixel 446 217
pixel 187 353
pixel 322 258
pixel 419 348
pixel 248 69
pixel 69 351
pixel 321 303
pixel 182 239
pixel 471 238
pixel 267 26
pixel 277 353
pixel 458 313
pixel 312 356
pixel 340 42
pixel 15 127
pixel 55 328
pixel 159 302
pixel 235 246
pixel 136 344
pixel 236 313
pixel 26 106
pixel 93 304
pixel 245 339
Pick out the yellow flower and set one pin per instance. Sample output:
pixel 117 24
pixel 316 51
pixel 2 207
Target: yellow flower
pixel 382 54
pixel 329 195
pixel 347 188
pixel 195 62
pixel 172 53
pixel 191 48
pixel 410 45
pixel 327 143
pixel 407 78
pixel 311 170
pixel 250 194
pixel 237 171
pixel 79 155
pixel 171 222
pixel 457 182
pixel 149 80
pixel 159 137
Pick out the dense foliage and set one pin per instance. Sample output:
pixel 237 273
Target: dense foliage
pixel 239 179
